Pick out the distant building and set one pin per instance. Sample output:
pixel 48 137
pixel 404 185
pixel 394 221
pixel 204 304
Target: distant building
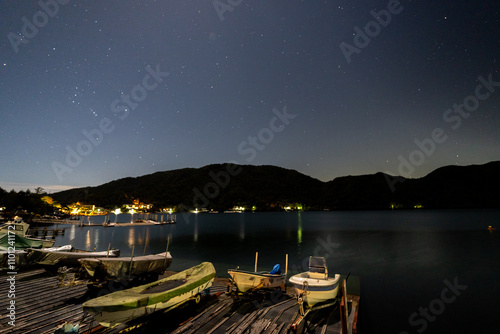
pixel 84 209
pixel 138 206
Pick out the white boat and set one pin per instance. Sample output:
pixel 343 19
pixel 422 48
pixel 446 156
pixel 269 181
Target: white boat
pixel 163 295
pixel 17 226
pixel 65 256
pixel 246 281
pixel 314 286
pixel 20 228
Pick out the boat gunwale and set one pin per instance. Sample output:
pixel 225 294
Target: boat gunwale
pixel 299 280
pixel 151 257
pixel 256 273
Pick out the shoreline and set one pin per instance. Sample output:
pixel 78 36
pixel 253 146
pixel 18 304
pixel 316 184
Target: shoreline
pixel 79 222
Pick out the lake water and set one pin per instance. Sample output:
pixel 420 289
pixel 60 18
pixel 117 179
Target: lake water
pixel 420 271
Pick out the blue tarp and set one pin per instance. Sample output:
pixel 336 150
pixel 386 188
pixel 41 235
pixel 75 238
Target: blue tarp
pixel 276 270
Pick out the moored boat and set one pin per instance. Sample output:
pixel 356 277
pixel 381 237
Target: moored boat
pixel 17 226
pixel 20 228
pixel 65 256
pixel 165 294
pixel 18 242
pixel 110 268
pixel 314 286
pixel 246 281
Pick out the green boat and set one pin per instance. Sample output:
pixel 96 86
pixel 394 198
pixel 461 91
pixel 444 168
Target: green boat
pixel 165 294
pixel 18 242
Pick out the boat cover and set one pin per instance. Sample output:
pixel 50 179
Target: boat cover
pixel 124 266
pixel 276 270
pixel 66 257
pixel 18 242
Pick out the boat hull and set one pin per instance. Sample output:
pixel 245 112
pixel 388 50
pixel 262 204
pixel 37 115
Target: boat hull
pixel 124 306
pixel 68 258
pixel 314 291
pixel 246 280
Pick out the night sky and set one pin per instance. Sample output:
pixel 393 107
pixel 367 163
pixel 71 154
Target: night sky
pixel 93 91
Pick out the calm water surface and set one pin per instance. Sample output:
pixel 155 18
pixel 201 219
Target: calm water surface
pixel 420 271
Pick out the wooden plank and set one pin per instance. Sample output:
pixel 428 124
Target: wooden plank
pixel 260 325
pixel 283 328
pixel 218 325
pixel 203 318
pixel 43 304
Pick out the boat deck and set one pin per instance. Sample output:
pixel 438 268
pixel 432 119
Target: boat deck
pixel 40 306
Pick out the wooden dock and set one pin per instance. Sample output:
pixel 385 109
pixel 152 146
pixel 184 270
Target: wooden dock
pixel 40 306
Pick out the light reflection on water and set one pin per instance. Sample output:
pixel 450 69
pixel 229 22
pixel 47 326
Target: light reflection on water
pixel 72 233
pixel 299 229
pixel 242 229
pixel 96 236
pixel 87 240
pixel 131 236
pixel 195 234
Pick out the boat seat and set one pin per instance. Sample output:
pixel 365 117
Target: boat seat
pixel 320 270
pixel 317 272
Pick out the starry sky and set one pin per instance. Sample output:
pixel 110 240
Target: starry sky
pixel 93 91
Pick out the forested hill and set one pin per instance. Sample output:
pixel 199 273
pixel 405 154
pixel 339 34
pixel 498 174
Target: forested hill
pixel 219 186
pixel 222 186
